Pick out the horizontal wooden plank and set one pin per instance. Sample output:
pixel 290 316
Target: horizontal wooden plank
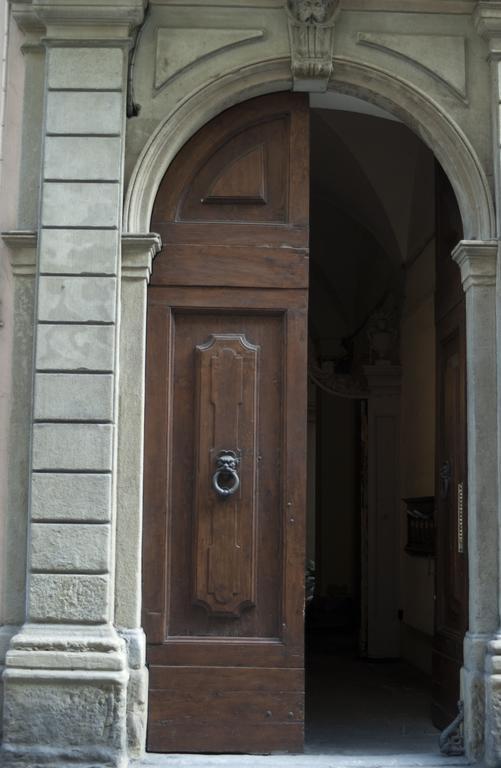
pixel 233 736
pixel 227 678
pixel 211 654
pixel 238 299
pixel 222 265
pixel 171 706
pixel 272 235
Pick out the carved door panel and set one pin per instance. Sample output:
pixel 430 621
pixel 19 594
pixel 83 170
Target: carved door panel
pixel 451 577
pixel 225 436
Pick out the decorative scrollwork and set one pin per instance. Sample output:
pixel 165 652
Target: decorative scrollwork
pixel 342 385
pixel 451 740
pixel 312 11
pixel 311 33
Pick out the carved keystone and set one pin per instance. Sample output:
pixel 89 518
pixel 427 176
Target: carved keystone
pixel 311 33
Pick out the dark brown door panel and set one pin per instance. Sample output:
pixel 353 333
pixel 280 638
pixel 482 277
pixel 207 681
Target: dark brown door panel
pixel 225 438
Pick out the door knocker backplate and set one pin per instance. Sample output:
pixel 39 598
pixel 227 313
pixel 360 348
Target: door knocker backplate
pixel 225 479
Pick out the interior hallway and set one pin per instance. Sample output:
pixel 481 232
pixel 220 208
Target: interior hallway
pixel 358 707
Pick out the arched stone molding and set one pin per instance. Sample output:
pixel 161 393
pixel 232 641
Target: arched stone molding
pixel 415 108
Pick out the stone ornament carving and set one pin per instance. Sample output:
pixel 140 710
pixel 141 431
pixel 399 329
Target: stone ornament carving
pixel 451 740
pixel 341 385
pixel 311 33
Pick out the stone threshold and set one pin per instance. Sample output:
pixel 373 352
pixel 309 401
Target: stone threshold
pixel 424 760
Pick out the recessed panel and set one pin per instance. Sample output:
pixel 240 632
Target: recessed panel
pixel 225 475
pixel 226 399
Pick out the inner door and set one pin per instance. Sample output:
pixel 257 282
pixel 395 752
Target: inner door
pixel 451 575
pixel 226 436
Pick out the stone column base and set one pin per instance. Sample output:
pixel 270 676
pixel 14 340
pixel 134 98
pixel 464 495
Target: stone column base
pixel 493 702
pixel 7 631
pixel 473 693
pixel 65 698
pixel 137 691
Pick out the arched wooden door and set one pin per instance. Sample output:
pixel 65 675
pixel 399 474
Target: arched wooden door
pixel 225 436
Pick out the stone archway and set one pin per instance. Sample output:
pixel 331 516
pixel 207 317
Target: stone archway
pixel 415 108
pixel 476 256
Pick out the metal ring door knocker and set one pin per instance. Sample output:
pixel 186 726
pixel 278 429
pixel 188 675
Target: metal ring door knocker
pixel 225 479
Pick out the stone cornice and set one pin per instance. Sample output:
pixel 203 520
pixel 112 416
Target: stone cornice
pixel 487 17
pixel 23 251
pixel 91 19
pixel 26 18
pixel 477 262
pixel 138 252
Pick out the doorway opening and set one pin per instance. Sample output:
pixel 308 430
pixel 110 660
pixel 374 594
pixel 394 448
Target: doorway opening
pixel 386 574
pixel 226 439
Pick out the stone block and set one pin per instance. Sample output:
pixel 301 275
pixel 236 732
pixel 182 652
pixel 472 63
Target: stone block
pixel 76 299
pixel 75 347
pixel 85 447
pixel 137 709
pixel 74 397
pixel 71 251
pixel 90 158
pixel 58 597
pixel 135 643
pixel 70 112
pixel 71 497
pixel 75 204
pixel 493 717
pixel 71 547
pixel 93 68
pixel 66 718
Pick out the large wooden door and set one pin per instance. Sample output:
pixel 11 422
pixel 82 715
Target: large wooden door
pixel 451 580
pixel 226 436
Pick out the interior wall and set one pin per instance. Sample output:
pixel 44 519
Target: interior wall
pixel 338 496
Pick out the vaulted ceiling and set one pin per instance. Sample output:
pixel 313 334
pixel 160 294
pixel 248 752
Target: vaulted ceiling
pixel 372 210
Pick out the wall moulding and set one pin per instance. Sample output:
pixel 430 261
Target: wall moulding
pixel 99 19
pixel 463 7
pixel 23 250
pixel 442 57
pixel 176 49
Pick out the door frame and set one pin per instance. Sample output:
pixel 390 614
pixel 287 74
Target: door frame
pixel 476 255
